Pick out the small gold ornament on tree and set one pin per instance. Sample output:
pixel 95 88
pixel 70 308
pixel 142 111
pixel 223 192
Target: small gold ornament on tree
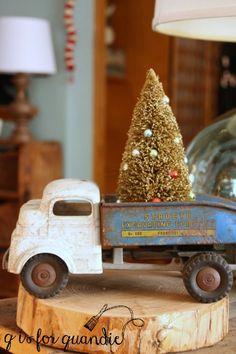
pixel 125 167
pixel 160 172
pixel 153 153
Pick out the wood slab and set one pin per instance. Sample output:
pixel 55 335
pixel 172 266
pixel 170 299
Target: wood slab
pixel 146 312
pixel 8 327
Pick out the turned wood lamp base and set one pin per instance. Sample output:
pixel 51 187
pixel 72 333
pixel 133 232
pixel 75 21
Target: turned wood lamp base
pixel 21 110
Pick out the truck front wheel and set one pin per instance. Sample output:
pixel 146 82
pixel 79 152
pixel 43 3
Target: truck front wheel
pixel 207 277
pixel 44 275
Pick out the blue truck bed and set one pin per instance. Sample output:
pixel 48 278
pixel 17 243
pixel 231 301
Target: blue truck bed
pixel 206 220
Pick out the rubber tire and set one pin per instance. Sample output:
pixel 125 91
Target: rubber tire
pixel 61 275
pixel 200 261
pixel 185 264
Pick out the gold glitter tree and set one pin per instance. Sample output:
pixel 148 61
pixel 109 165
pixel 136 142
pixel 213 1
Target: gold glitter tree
pixel 153 166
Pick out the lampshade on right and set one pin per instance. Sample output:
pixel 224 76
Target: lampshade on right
pixel 199 19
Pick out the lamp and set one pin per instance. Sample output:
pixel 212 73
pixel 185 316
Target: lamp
pixel 25 49
pixel 199 19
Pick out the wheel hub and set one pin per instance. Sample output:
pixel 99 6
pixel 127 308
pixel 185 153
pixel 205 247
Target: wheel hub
pixel 44 275
pixel 208 279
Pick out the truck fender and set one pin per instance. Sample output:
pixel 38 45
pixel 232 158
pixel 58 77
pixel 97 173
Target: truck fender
pixel 21 261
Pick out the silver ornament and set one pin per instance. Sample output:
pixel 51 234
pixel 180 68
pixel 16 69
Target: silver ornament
pixel 191 177
pixel 191 195
pixel 177 139
pixel 148 133
pixel 135 152
pixel 166 99
pixel 153 153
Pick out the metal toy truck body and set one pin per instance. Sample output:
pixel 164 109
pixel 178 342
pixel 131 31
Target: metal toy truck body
pixel 67 229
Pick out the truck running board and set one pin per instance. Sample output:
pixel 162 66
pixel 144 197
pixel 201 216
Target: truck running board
pixel 174 265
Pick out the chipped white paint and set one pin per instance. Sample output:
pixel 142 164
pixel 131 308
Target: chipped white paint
pixel 64 188
pixel 75 239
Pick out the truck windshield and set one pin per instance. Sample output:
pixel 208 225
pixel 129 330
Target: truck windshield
pixel 72 208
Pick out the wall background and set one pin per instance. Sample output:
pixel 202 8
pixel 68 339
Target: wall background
pixel 66 109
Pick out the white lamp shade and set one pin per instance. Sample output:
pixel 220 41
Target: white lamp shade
pixel 26 46
pixel 200 19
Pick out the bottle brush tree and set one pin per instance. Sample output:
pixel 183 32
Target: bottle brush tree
pixel 153 165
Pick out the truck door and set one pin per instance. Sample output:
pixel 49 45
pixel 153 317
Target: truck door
pixel 71 220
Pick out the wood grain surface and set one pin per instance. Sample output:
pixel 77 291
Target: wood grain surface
pixel 10 335
pixel 167 318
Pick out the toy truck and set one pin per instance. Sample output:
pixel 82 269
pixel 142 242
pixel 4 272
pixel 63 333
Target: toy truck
pixel 71 230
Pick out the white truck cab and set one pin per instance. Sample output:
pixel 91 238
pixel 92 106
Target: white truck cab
pixel 57 234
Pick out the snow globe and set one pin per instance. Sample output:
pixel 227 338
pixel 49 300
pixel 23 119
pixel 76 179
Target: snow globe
pixel 212 158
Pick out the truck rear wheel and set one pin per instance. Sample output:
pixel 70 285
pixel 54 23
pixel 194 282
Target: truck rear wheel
pixel 207 277
pixel 44 275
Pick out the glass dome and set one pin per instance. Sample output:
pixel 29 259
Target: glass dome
pixel 212 158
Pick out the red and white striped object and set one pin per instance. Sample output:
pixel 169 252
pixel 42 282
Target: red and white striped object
pixel 71 37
